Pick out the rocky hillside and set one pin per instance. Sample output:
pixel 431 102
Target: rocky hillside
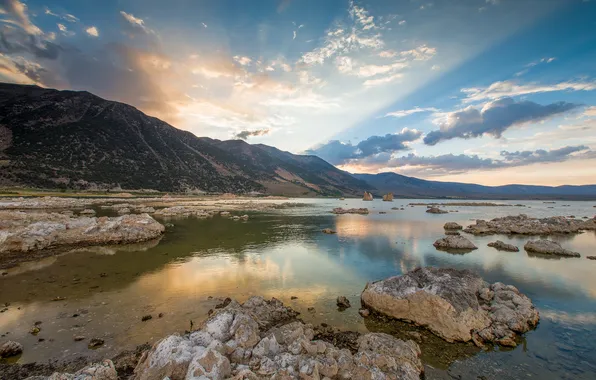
pixel 71 139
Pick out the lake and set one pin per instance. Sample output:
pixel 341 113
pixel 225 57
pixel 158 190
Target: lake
pixel 105 291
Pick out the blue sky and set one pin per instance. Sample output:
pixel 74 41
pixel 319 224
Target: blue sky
pixel 486 91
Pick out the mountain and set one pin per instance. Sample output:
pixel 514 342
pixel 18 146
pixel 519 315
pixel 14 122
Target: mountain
pixel 74 139
pixel 410 187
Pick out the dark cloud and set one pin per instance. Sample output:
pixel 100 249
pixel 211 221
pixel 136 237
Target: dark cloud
pixel 246 134
pixel 454 164
pixel 494 119
pixel 15 41
pixel 337 152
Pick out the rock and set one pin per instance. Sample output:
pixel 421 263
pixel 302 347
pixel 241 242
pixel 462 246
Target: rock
pixel 146 210
pixel 388 197
pixel 524 225
pixel 262 340
pixel 502 246
pixel 95 343
pixel 10 348
pixel 293 298
pixel 456 305
pixel 343 302
pixel 123 211
pixel 34 330
pixel 454 242
pixel 591 257
pixel 452 226
pixel 367 196
pixel 87 211
pixel 435 210
pixel 146 317
pixel 32 231
pixel 244 217
pixel 97 371
pixel 340 211
pixel 183 211
pixel 224 213
pixel 328 231
pixel 364 312
pixel 452 232
pixel 548 247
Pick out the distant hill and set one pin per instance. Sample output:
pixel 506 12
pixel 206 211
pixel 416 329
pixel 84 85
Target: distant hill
pixel 410 187
pixel 73 139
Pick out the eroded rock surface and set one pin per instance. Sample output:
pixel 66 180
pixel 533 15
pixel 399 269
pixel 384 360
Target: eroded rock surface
pixel 25 232
pixel 367 196
pixel 388 197
pixel 456 305
pixel 435 210
pixel 183 211
pixel 548 247
pixel 524 225
pixel 454 242
pixel 104 370
pixel 339 210
pixel 452 226
pixel 10 348
pixel 262 340
pixel 502 246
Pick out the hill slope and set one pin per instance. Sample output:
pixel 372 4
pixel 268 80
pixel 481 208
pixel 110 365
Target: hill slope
pixel 51 138
pixel 410 187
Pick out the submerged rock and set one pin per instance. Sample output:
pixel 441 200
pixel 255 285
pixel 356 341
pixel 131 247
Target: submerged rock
pixel 502 246
pixel 548 247
pixel 435 210
pixel 454 242
pixel 262 340
pixel 452 226
pixel 25 232
pixel 367 196
pixel 524 225
pixel 339 210
pixel 10 348
pixel 456 305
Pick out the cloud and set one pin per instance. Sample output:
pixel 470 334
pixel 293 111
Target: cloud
pixel 135 24
pixel 64 30
pixel 20 70
pixel 337 152
pixel 18 41
pixel 18 11
pixel 246 134
pixel 493 119
pixel 92 31
pixel 66 16
pixel 535 63
pixel 402 113
pixel 402 22
pixel 435 67
pixel 590 111
pixel 462 163
pixel 244 61
pixel 510 89
pixel 383 80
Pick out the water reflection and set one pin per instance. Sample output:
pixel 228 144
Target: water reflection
pixel 283 255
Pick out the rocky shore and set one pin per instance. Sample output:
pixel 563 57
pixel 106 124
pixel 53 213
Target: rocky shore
pixel 340 211
pixel 524 225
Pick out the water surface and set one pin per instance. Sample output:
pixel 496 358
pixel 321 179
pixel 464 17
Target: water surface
pixel 281 254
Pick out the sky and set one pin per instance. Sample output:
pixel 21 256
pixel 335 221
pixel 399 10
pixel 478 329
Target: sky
pixel 480 91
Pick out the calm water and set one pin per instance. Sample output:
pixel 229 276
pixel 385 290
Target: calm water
pixel 283 254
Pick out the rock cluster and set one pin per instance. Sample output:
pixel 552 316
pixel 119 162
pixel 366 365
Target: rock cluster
pixel 183 211
pixel 262 340
pixel 104 370
pixel 435 210
pixel 339 210
pixel 456 305
pixel 25 232
pixel 548 247
pixel 367 196
pixel 388 197
pixel 454 242
pixel 502 246
pixel 524 225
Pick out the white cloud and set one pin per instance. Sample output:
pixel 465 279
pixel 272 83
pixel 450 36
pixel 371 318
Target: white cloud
pixel 510 89
pixel 294 37
pixel 383 80
pixel 66 17
pixel 136 22
pixel 590 111
pixel 244 61
pixel 373 70
pixel 92 31
pixel 387 54
pixel 18 11
pixel 402 113
pixel 204 25
pixel 435 67
pixel 65 30
pixel 420 53
pixel 304 99
pixel 361 16
pixel 402 22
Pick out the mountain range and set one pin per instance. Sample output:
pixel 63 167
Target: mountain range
pixel 74 139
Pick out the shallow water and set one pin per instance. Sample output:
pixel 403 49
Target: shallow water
pixel 283 254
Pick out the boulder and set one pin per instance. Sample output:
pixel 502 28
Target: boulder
pixel 548 247
pixel 454 242
pixel 263 339
pixel 591 257
pixel 502 246
pixel 456 305
pixel 367 196
pixel 10 348
pixel 435 210
pixel 452 226
pixel 388 197
pixel 343 302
